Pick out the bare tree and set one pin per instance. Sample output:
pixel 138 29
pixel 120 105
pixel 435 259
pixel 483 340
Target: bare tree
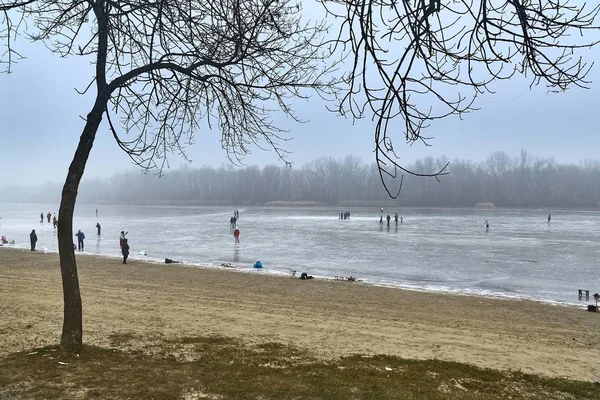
pixel 422 60
pixel 161 67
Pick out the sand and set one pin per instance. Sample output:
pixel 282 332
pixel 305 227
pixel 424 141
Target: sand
pixel 331 318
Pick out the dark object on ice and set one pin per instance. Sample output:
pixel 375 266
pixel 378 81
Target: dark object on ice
pixel 591 308
pixel 169 261
pixel 580 293
pixel 352 279
pixel 306 276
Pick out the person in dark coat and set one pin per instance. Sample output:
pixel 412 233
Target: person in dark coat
pixel 33 239
pixel 98 227
pixel 80 237
pixel 41 218
pixel 125 250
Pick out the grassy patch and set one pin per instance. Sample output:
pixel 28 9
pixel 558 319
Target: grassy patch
pixel 221 368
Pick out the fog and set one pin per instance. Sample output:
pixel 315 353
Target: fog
pixel 518 180
pixel 40 125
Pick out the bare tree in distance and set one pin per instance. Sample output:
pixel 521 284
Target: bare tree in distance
pixel 423 60
pixel 162 67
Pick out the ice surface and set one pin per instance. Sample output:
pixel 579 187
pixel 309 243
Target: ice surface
pixel 433 249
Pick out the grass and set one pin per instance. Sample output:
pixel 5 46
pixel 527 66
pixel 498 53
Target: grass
pixel 220 368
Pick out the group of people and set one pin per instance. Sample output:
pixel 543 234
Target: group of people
pixel 345 215
pixel 388 218
pixel 233 225
pixel 48 216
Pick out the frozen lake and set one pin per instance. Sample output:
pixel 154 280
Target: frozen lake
pixel 433 249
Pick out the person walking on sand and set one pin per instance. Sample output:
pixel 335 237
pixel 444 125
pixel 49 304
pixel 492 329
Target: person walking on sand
pixel 80 237
pixel 98 227
pixel 125 250
pixel 33 239
pixel 236 235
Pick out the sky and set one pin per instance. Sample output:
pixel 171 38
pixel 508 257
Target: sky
pixel 40 125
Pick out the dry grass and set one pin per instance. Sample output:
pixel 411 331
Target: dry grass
pixel 220 368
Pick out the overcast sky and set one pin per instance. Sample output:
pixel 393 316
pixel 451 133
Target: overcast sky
pixel 40 126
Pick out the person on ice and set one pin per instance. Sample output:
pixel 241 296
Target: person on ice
pixel 98 227
pixel 388 220
pixel 80 237
pixel 48 216
pixel 41 218
pixel 236 235
pixel 33 239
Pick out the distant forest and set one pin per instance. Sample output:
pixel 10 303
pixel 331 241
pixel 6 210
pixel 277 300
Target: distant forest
pixel 521 181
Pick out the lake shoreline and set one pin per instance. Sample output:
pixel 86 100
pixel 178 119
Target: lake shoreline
pixel 333 318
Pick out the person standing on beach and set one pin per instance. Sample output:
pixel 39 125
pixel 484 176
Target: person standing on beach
pixel 122 238
pixel 80 237
pixel 98 227
pixel 125 250
pixel 33 239
pixel 236 235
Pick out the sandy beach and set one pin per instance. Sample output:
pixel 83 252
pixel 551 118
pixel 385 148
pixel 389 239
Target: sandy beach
pixel 331 318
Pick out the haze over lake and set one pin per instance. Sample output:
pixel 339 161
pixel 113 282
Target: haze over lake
pixel 522 255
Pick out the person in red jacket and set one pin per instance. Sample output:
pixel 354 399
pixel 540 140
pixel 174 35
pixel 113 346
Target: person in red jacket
pixel 236 235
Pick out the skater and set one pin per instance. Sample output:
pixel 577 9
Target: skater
pixel 33 239
pixel 549 218
pixel 80 237
pixel 381 219
pixel 396 219
pixel 125 250
pixel 41 218
pixel 487 225
pixel 48 216
pixel 236 235
pixel 55 221
pixel 98 227
pixel 388 218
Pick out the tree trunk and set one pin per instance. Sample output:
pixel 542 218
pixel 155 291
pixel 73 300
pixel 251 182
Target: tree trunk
pixel 72 333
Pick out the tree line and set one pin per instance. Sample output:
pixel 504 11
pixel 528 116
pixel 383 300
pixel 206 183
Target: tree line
pixel 518 181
